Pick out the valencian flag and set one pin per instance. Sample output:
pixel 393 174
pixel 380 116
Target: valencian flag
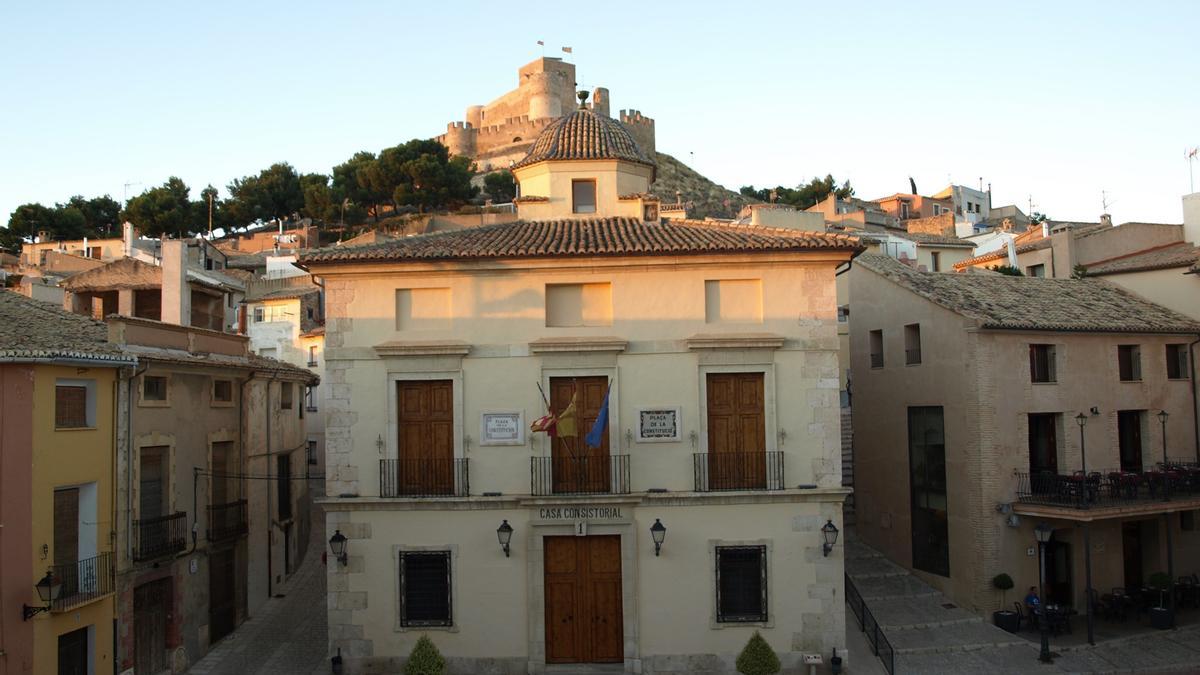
pixel 596 436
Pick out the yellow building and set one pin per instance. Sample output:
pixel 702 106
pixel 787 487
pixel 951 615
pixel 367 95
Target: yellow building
pixel 58 434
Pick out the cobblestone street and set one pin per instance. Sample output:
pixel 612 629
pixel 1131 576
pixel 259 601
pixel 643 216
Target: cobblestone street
pixel 287 636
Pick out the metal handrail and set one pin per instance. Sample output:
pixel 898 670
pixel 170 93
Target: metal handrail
pixel 880 645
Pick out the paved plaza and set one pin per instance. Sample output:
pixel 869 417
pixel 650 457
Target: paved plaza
pixel 287 636
pixel 931 635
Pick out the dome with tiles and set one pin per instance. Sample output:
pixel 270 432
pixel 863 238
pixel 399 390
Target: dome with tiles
pixel 585 134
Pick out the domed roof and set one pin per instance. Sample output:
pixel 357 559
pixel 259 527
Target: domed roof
pixel 585 135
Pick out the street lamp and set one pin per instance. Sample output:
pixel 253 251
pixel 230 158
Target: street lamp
pixel 337 544
pixel 1162 419
pixel 48 590
pixel 830 533
pixel 504 535
pixel 1081 420
pixel 1043 532
pixel 658 532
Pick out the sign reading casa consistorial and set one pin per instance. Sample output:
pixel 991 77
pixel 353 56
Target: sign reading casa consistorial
pixel 580 513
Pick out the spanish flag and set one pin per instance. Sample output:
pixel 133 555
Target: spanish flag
pixel 567 419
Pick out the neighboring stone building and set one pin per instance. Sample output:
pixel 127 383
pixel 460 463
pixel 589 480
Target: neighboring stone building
pixel 212 505
pixel 284 319
pixel 59 434
pixel 969 393
pixel 703 356
pixel 501 133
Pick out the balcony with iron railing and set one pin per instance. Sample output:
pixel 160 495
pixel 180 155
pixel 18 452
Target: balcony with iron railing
pixel 424 478
pixel 717 471
pixel 582 475
pixel 158 537
pixel 227 521
pixel 1174 481
pixel 83 581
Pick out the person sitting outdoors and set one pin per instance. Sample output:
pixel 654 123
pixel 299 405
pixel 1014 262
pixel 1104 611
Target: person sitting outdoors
pixel 1032 601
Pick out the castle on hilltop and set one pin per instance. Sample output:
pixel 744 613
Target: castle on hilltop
pixel 500 133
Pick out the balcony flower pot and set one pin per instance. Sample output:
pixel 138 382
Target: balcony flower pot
pixel 1006 619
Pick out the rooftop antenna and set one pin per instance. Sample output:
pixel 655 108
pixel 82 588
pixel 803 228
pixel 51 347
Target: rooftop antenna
pixel 1031 206
pixel 127 186
pixel 1192 155
pixel 1105 202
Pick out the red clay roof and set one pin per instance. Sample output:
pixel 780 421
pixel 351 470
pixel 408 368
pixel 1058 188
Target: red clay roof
pixel 583 134
pixel 1178 254
pixel 588 238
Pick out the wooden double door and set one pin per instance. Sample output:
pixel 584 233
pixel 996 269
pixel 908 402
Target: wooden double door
pixel 151 616
pixel 222 593
pixel 583 600
pixel 575 466
pixel 737 436
pixel 425 417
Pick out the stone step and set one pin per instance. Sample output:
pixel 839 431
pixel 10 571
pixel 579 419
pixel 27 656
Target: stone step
pixel 955 637
pixel 857 549
pixel 918 612
pixel 861 568
pixel 874 588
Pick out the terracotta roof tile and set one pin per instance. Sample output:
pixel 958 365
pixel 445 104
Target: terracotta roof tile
pixel 587 238
pixel 33 330
pixel 1179 254
pixel 1035 303
pixel 585 135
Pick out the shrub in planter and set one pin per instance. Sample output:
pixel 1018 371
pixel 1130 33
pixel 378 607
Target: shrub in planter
pixel 757 658
pixel 1003 583
pixel 1005 618
pixel 425 659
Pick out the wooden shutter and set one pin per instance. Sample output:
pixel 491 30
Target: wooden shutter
pixel 70 406
pixel 66 526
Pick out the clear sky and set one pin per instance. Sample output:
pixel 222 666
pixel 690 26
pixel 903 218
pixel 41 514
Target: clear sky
pixel 1058 100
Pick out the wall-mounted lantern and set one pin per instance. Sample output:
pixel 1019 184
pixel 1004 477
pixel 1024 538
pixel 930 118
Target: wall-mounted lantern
pixel 504 535
pixel 48 590
pixel 337 545
pixel 658 532
pixel 830 533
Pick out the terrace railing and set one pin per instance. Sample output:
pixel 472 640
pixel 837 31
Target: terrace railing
pixel 1108 487
pixel 424 478
pixel 583 475
pixel 161 536
pixel 83 581
pixel 715 471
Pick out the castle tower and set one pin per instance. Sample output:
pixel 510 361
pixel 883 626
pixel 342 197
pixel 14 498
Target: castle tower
pixel 600 101
pixel 459 139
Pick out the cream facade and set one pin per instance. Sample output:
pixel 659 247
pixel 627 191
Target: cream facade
pixel 959 453
pixel 657 351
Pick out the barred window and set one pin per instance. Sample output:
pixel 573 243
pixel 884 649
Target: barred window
pixel 154 388
pixel 425 589
pixel 285 396
pixel 70 406
pixel 223 391
pixel 741 584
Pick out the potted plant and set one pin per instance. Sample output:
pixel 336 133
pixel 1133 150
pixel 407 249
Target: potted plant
pixel 425 659
pixel 1005 618
pixel 1160 616
pixel 757 658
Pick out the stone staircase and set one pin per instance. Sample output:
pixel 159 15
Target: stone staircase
pixel 928 633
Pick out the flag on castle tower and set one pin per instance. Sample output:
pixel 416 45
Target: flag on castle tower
pixel 541 43
pixel 1194 151
pixel 567 49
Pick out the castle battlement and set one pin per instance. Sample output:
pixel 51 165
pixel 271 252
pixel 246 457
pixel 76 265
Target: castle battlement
pixel 503 129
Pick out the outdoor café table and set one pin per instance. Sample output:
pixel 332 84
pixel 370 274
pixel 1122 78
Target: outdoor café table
pixel 1057 616
pixel 1127 481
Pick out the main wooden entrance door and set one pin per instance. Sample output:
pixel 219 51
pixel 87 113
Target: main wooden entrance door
pixel 583 600
pixel 222 603
pixel 576 467
pixel 425 417
pixel 151 606
pixel 737 437
pixel 73 653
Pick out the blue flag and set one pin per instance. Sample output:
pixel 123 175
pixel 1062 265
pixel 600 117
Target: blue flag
pixel 596 436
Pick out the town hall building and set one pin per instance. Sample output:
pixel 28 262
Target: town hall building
pixel 682 488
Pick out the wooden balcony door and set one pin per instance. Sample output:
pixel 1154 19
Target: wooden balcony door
pixel 583 600
pixel 737 437
pixel 576 467
pixel 425 420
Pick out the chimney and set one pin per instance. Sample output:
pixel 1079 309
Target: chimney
pixel 127 238
pixel 176 296
pixel 1191 218
pixel 1106 220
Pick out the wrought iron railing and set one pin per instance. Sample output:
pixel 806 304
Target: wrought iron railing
pixel 880 646
pixel 227 521
pixel 424 478
pixel 716 471
pixel 83 581
pixel 912 357
pixel 157 537
pixel 876 360
pixel 584 475
pixel 1108 487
